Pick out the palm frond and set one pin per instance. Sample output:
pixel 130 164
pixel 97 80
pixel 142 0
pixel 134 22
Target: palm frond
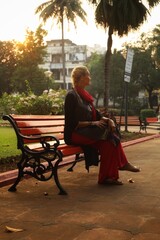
pixel 72 9
pixel 153 3
pixel 58 9
pixel 103 13
pixel 121 15
pixel 42 6
pixel 128 14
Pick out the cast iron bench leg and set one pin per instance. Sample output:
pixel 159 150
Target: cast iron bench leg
pixel 20 175
pixel 55 174
pixel 77 159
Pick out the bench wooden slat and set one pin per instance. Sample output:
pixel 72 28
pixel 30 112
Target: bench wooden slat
pixel 37 117
pixel 41 123
pixel 59 136
pixel 131 120
pixel 70 150
pixel 40 130
pixel 152 119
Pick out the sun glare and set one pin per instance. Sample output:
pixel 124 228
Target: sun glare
pixel 16 17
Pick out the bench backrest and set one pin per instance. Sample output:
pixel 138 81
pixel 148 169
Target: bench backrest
pixel 35 125
pixel 151 119
pixel 131 120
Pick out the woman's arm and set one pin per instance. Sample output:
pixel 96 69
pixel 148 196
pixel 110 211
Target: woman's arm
pixel 100 123
pixel 69 108
pixel 84 124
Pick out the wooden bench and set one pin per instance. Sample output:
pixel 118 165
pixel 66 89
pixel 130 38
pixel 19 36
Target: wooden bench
pixel 41 141
pixel 131 121
pixel 150 120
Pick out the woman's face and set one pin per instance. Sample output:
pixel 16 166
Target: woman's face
pixel 85 80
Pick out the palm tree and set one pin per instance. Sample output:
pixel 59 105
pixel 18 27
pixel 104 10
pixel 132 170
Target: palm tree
pixel 58 10
pixel 119 16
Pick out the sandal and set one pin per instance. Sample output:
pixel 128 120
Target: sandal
pixel 112 182
pixel 130 167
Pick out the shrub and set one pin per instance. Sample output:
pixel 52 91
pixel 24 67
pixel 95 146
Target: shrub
pixel 9 102
pixel 144 113
pixel 57 98
pixel 51 103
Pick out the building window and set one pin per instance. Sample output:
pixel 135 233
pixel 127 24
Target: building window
pixel 73 57
pixel 56 58
pixel 56 74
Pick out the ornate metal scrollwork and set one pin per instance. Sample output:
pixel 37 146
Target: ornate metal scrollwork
pixel 43 172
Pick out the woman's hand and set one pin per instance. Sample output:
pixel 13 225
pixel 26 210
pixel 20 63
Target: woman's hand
pixel 111 125
pixel 101 123
pixel 105 122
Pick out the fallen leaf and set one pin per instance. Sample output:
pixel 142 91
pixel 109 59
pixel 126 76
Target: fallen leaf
pixel 130 180
pixel 10 229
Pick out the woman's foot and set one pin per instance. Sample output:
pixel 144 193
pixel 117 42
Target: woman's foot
pixel 112 182
pixel 130 167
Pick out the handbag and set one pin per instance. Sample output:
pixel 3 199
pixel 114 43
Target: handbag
pixel 97 133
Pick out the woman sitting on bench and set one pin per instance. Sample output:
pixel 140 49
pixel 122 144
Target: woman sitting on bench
pixel 86 127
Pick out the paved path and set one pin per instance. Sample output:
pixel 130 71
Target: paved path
pixel 89 211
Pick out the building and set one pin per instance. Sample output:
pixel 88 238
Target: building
pixel 74 55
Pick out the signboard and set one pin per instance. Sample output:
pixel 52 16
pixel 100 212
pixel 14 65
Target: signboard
pixel 127 78
pixel 128 66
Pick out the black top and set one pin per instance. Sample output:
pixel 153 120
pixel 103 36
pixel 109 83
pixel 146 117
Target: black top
pixel 76 109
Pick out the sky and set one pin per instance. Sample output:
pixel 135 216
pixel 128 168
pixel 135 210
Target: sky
pixel 18 15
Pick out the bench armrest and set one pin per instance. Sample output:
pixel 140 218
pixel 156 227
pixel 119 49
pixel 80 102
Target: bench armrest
pixel 47 142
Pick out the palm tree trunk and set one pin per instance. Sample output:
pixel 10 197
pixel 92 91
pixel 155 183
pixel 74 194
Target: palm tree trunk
pixel 150 99
pixel 107 68
pixel 63 55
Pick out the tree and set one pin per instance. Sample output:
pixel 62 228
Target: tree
pixel 30 55
pixel 156 45
pixel 59 10
pixel 119 16
pixel 8 60
pixel 145 73
pixel 95 65
pixel 116 90
pixel 146 68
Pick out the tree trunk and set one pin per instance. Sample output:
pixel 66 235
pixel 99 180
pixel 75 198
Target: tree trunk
pixel 150 99
pixel 97 99
pixel 107 68
pixel 63 56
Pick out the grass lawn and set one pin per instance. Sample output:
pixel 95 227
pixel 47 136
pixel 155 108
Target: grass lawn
pixel 8 143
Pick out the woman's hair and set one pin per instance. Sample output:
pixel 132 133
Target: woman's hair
pixel 77 73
